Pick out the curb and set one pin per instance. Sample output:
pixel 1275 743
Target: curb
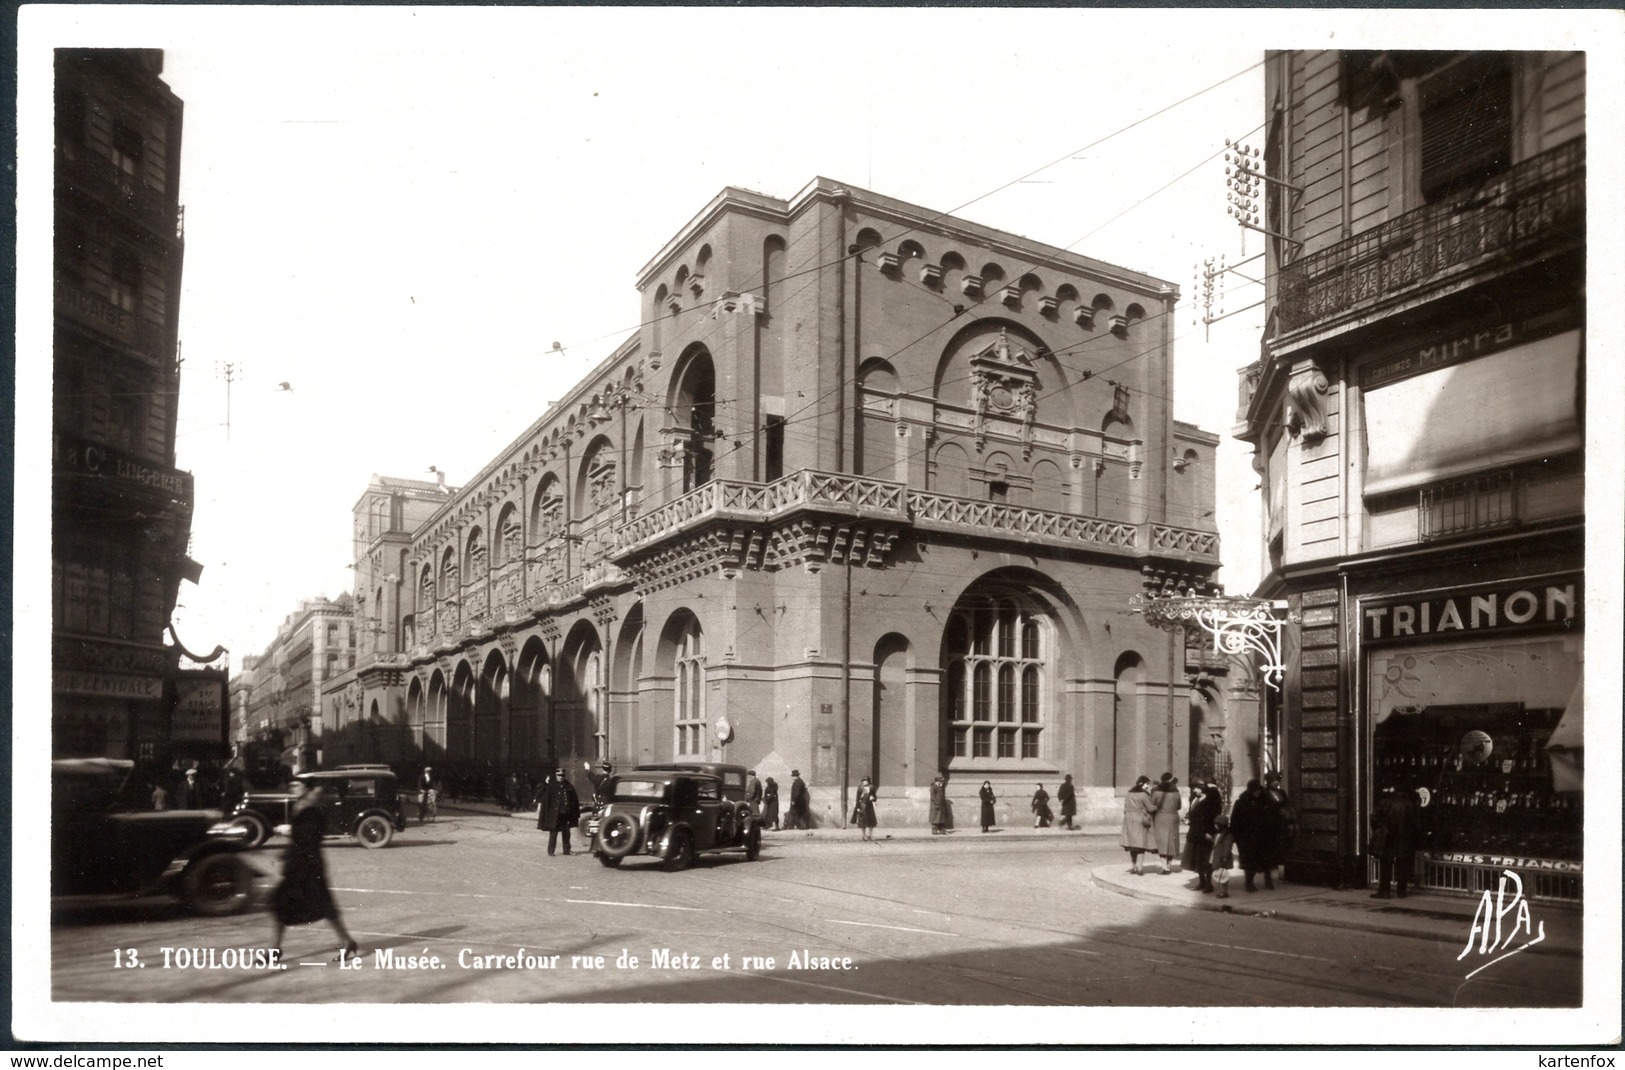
pixel 1305 917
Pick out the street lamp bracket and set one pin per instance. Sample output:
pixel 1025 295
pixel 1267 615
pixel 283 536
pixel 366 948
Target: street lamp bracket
pixel 1239 626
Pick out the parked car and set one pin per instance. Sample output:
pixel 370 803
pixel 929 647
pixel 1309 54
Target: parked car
pixel 673 816
pixel 105 840
pixel 360 802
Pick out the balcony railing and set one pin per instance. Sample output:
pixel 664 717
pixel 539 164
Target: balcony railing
pixel 1514 215
pixel 1032 525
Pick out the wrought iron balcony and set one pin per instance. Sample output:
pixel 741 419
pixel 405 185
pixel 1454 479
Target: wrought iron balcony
pixel 1513 217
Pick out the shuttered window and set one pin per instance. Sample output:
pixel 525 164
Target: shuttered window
pixel 1466 112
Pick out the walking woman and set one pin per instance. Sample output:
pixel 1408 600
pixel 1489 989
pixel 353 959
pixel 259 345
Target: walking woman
pixel 302 896
pixel 988 799
pixel 770 804
pixel 1204 811
pixel 863 809
pixel 1137 820
pixel 1041 811
pixel 1165 806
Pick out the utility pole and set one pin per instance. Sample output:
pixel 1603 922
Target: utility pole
pixel 228 371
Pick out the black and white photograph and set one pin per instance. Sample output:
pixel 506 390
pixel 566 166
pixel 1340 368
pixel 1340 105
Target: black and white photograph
pixel 941 526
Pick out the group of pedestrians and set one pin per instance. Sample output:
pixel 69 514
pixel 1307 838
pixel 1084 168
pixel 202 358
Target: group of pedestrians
pixel 1258 831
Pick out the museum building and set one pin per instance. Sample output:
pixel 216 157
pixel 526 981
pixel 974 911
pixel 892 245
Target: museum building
pixel 867 494
pixel 1417 413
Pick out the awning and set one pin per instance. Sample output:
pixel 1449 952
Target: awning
pixel 1566 747
pixel 1517 405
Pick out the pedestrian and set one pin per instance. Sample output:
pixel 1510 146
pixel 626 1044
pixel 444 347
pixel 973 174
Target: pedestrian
pixel 799 801
pixel 1067 796
pixel 1041 811
pixel 1248 820
pixel 160 797
pixel 1165 806
pixel 770 804
pixel 425 793
pixel 988 799
pixel 302 894
pixel 231 788
pixel 1205 808
pixel 939 806
pixel 1280 826
pixel 1395 828
pixel 187 796
pixel 558 810
pixel 753 792
pixel 1222 859
pixel 1138 818
pixel 863 809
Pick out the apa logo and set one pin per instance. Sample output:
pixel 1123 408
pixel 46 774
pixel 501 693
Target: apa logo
pixel 1491 931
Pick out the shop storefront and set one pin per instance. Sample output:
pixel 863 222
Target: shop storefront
pixel 1472 697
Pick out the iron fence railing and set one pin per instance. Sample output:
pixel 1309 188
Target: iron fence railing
pixel 1515 214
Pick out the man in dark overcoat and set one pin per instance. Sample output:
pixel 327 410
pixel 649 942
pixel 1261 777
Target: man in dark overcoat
pixel 939 806
pixel 1067 796
pixel 799 801
pixel 1395 829
pixel 753 793
pixel 559 810
pixel 1250 826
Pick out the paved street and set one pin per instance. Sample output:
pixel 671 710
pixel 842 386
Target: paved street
pixel 966 920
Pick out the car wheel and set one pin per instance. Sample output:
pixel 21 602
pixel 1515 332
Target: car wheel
pixel 617 836
pixel 374 831
pixel 610 860
pixel 681 853
pixel 753 843
pixel 217 885
pixel 258 830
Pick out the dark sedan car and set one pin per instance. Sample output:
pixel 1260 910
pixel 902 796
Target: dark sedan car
pixel 357 801
pixel 673 816
pixel 103 841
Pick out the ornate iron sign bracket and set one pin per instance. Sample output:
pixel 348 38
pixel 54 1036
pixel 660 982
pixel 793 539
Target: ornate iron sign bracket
pixel 1238 625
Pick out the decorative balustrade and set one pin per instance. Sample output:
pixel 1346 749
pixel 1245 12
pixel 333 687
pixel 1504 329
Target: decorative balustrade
pixel 1515 214
pixel 1016 520
pixel 1184 541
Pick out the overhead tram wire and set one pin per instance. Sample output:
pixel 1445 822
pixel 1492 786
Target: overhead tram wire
pixel 974 200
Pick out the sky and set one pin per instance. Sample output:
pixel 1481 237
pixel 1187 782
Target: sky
pixel 398 212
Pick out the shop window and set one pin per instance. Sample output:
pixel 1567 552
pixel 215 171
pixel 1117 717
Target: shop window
pixel 1466 726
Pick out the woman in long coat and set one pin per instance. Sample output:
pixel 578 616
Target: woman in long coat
pixel 1165 806
pixel 1137 819
pixel 1068 798
pixel 1199 836
pixel 863 809
pixel 1042 815
pixel 302 895
pixel 988 799
pixel 939 806
pixel 770 804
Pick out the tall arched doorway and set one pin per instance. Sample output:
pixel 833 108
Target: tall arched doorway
pixel 888 758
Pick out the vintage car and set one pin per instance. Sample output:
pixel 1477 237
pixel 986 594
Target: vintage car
pixel 105 840
pixel 673 816
pixel 733 779
pixel 360 802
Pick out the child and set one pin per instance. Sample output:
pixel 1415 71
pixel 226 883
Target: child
pixel 1223 857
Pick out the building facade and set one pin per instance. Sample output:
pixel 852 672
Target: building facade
pixel 276 695
pixel 1417 414
pixel 867 494
pixel 121 511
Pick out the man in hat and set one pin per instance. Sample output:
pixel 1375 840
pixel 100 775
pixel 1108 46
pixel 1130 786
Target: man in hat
pixel 753 792
pixel 939 806
pixel 187 796
pixel 425 793
pixel 560 809
pixel 799 801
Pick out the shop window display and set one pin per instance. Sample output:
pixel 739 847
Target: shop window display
pixel 1467 726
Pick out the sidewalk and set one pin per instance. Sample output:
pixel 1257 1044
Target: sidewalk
pixel 1448 919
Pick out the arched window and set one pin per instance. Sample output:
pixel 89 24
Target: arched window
pixel 690 693
pixel 597 703
pixel 995 655
pixel 509 539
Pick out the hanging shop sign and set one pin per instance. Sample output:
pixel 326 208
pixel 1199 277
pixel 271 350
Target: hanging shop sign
pixel 200 709
pixel 1501 607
